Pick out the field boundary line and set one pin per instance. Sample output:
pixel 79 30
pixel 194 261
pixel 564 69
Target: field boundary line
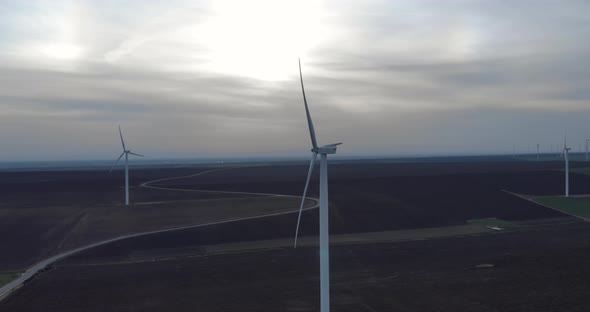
pixel 530 199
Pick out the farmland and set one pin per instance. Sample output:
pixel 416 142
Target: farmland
pixel 533 270
pixel 43 224
pixel 380 199
pixel 577 206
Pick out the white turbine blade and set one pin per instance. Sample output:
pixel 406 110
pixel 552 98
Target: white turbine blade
pixel 314 142
pixel 116 161
pixel 121 135
pixel 311 165
pixel 332 145
pixel 136 154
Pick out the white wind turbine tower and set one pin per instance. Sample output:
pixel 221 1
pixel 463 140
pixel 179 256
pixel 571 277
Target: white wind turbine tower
pixel 324 151
pixel 126 152
pixel 565 154
pixel 587 141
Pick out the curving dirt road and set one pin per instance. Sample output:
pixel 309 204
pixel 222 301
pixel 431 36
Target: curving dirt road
pixel 38 267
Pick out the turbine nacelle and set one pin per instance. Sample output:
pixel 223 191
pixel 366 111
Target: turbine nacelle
pixel 326 149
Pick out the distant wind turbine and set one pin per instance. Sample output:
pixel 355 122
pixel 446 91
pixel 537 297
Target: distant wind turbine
pixel 538 146
pixel 587 141
pixel 565 154
pixel 324 234
pixel 514 150
pixel 126 152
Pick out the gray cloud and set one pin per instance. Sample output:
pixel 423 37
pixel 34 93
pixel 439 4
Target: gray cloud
pixel 404 77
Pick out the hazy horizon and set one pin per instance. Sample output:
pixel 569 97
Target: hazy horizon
pixel 199 79
pixel 298 157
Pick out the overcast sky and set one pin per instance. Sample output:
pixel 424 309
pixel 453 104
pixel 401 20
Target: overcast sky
pixel 219 78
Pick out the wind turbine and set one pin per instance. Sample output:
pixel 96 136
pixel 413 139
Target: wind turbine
pixel 587 141
pixel 565 154
pixel 538 151
pixel 126 152
pixel 324 151
pixel 514 150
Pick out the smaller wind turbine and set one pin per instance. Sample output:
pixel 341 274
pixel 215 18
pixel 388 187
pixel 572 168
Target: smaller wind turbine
pixel 126 152
pixel 538 146
pixel 565 154
pixel 587 141
pixel 514 150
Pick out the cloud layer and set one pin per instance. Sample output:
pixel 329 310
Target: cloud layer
pixel 208 78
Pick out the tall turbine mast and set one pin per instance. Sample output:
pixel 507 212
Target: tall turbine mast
pixel 324 151
pixel 565 154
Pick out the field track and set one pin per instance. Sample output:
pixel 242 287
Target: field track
pixel 40 266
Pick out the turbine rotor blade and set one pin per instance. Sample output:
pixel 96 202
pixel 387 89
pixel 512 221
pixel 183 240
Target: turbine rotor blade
pixel 136 154
pixel 314 142
pixel 311 165
pixel 121 135
pixel 116 161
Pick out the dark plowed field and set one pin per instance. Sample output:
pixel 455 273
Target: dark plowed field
pixel 541 269
pixel 364 196
pixel 374 197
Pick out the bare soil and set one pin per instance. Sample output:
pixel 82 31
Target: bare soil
pixel 542 269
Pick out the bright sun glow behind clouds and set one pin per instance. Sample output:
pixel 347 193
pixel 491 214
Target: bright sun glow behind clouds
pixel 260 39
pixel 381 74
pixel 45 34
pixel 61 51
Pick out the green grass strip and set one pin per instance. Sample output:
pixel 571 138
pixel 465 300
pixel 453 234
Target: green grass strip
pixel 577 206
